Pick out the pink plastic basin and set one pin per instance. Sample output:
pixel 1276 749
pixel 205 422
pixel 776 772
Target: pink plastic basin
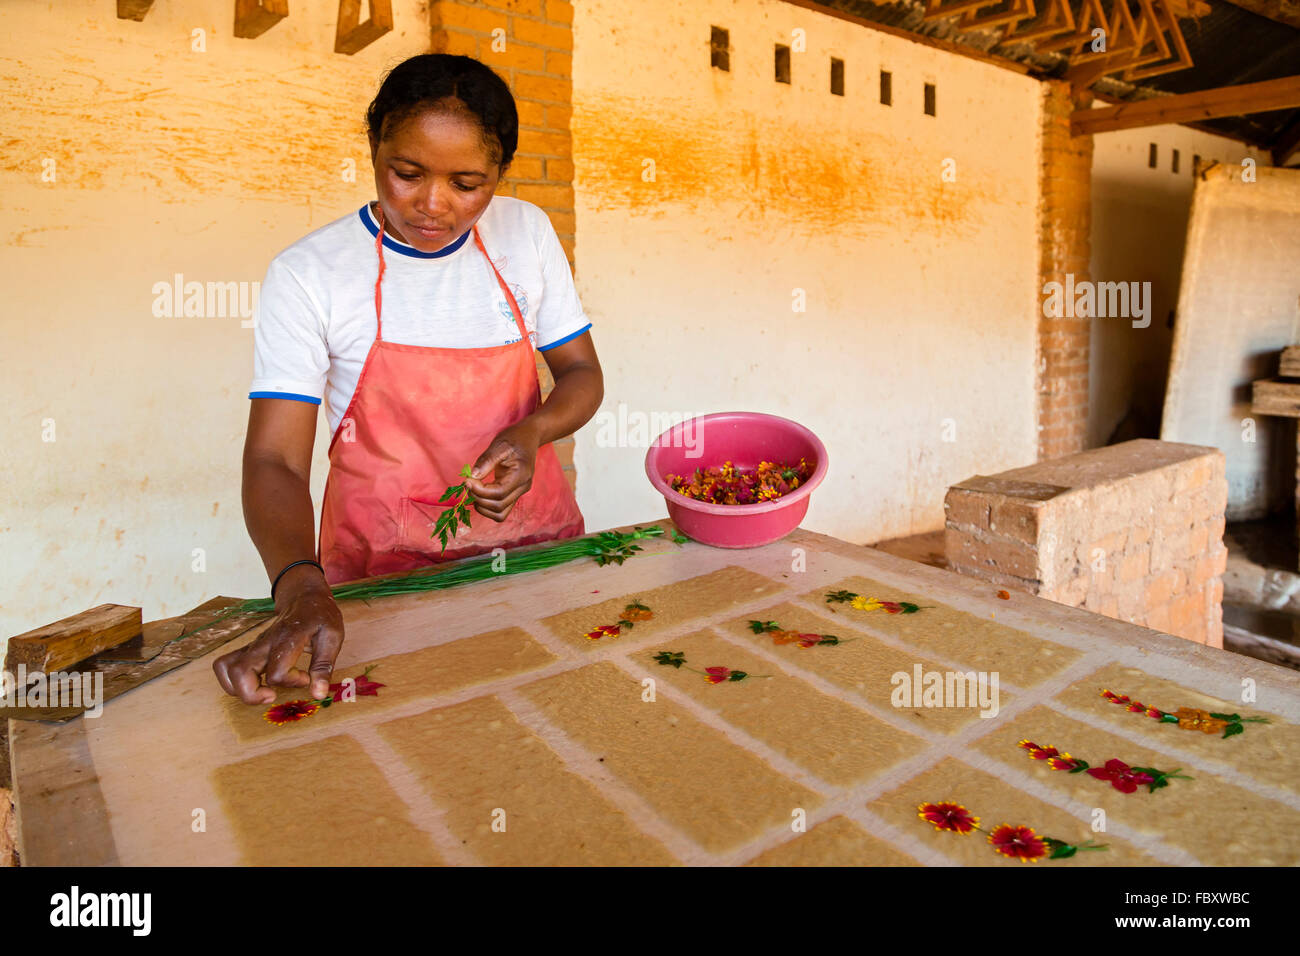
pixel 745 439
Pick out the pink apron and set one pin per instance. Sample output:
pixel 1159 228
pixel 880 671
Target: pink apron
pixel 419 414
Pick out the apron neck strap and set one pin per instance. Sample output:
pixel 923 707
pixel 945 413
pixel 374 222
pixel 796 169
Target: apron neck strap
pixel 379 298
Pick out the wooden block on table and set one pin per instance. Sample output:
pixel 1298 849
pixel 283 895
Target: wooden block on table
pixel 69 641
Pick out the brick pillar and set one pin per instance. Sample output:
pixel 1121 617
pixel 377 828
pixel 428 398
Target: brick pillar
pixel 533 53
pixel 1065 180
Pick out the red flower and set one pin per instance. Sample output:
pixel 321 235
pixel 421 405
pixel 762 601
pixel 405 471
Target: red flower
pixel 290 711
pixel 1063 762
pixel 948 816
pixel 1122 777
pixel 1018 843
pixel 603 630
pixel 1136 707
pixel 365 687
pixel 1037 752
pixel 892 607
pixel 1155 714
pixel 809 640
pixel 716 675
pixel 1115 698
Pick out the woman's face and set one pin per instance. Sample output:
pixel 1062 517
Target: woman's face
pixel 434 178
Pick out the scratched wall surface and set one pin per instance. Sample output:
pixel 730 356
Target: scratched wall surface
pixel 920 293
pixel 166 160
pixel 1237 311
pixel 1139 228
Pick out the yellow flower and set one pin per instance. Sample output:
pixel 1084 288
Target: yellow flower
pixel 1190 718
pixel 865 604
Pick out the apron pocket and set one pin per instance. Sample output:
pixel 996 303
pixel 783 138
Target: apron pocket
pixel 416 520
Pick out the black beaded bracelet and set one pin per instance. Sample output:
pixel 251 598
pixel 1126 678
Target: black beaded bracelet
pixel 315 564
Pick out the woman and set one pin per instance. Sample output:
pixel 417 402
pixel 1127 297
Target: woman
pixel 422 325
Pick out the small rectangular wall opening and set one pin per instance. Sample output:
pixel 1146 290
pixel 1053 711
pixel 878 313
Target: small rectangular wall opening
pixel 929 99
pixel 782 63
pixel 1153 157
pixel 837 76
pixel 886 88
pixel 720 48
pixel 1173 163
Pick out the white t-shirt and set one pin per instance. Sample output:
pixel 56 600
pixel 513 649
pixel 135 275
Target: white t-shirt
pixel 315 314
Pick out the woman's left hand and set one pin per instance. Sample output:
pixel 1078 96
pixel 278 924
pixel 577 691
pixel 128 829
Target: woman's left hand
pixel 512 455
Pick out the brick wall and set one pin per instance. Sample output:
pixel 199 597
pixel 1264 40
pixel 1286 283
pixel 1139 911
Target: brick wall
pixel 530 44
pixel 1065 220
pixel 1133 531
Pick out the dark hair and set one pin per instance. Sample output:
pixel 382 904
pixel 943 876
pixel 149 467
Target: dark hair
pixel 422 81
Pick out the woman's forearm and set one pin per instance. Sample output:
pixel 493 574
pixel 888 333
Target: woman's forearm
pixel 574 399
pixel 280 520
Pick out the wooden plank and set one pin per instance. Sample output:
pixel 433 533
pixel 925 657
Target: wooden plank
pixel 1181 58
pixel 1240 100
pixel 125 675
pixel 58 646
pixel 1090 15
pixel 1273 397
pixel 157 635
pixel 1059 18
pixel 983 19
pixel 1244 137
pixel 942 9
pixel 1280 11
pixel 62 817
pixel 255 17
pixel 1149 31
pixel 1289 365
pixel 1123 40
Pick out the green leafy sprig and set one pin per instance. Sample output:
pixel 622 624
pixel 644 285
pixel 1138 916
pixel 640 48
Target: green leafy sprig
pixel 762 627
pixel 458 514
pixel 1236 722
pixel 1063 851
pixel 715 675
pixel 1160 778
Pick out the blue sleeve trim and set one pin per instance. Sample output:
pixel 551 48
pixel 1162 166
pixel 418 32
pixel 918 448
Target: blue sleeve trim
pixel 288 395
pixel 573 335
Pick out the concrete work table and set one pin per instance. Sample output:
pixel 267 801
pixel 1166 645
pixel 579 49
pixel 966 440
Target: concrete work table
pixel 503 735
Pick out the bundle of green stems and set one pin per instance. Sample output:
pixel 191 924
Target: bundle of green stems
pixel 607 547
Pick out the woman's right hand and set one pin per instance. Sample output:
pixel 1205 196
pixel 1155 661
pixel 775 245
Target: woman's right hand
pixel 308 621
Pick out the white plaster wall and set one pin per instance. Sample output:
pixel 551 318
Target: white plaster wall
pixel 1139 229
pixel 921 294
pixel 167 161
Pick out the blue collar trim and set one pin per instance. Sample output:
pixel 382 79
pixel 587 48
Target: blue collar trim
pixel 402 248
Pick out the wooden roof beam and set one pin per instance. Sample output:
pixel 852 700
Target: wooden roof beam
pixel 1280 11
pixel 1240 100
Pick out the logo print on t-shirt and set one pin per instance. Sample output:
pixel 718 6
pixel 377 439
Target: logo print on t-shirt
pixel 521 299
